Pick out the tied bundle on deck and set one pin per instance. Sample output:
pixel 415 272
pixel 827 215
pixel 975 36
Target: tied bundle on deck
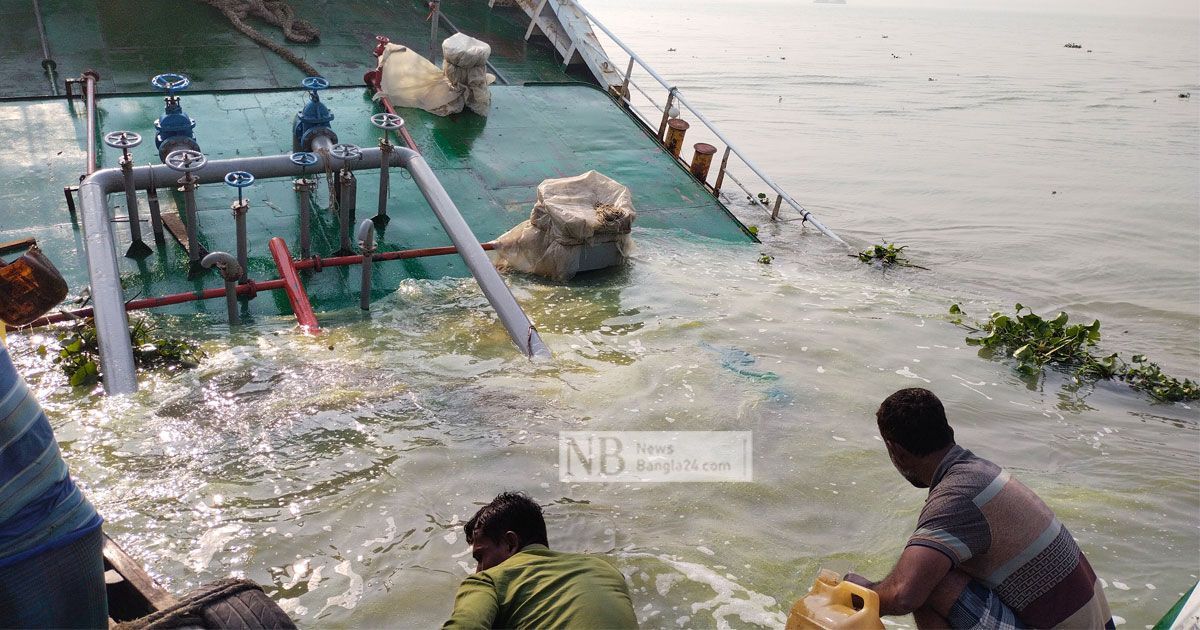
pixel 410 80
pixel 578 224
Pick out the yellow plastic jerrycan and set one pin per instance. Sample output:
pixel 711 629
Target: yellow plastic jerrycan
pixel 828 606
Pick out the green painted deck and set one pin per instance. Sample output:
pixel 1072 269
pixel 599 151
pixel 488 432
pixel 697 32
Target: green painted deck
pixel 128 41
pixel 244 97
pixel 490 166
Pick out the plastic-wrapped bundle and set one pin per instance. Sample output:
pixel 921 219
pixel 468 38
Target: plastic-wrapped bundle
pixel 578 224
pixel 410 80
pixel 465 65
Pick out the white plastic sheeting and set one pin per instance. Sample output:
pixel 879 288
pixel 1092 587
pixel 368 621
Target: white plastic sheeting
pixel 572 214
pixel 410 80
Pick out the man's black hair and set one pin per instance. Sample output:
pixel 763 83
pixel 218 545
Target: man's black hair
pixel 509 511
pixel 915 419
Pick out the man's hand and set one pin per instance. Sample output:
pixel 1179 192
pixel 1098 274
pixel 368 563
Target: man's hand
pixel 859 580
pixel 918 572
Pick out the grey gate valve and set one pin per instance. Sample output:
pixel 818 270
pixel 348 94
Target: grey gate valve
pixel 346 152
pixel 185 160
pixel 387 121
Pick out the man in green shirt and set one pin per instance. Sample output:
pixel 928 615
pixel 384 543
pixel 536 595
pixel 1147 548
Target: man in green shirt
pixel 520 583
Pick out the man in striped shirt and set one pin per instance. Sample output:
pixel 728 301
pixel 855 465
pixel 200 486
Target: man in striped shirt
pixel 51 567
pixel 987 552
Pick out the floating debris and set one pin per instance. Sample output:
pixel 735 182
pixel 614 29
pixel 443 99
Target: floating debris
pixel 1185 95
pixel 765 259
pixel 1072 45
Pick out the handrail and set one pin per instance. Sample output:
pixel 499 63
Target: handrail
pixel 677 94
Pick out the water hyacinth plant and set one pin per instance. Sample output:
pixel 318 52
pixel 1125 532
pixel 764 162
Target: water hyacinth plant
pixel 1035 342
pixel 885 255
pixel 79 351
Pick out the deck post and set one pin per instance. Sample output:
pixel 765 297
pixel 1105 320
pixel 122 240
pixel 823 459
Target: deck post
pixel 662 126
pixel 775 210
pixel 721 172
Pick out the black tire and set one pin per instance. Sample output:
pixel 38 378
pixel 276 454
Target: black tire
pixel 250 609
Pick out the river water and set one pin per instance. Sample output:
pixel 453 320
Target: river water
pixel 338 471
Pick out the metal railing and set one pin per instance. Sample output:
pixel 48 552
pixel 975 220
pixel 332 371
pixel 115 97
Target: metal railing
pixel 673 96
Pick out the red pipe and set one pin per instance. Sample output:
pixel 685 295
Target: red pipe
pixel 293 286
pixel 249 289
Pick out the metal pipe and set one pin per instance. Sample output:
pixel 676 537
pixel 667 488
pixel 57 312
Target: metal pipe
pixel 662 126
pixel 156 223
pixel 292 285
pixel 47 62
pixel 721 172
pixel 717 132
pixel 137 248
pixel 89 79
pixel 112 325
pixel 346 203
pixel 231 272
pixel 189 181
pixel 240 208
pixel 520 329
pixel 434 14
pixel 248 289
pixel 366 244
pixel 385 147
pixel 305 186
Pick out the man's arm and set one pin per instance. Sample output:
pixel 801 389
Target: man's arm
pixel 475 605
pixel 918 571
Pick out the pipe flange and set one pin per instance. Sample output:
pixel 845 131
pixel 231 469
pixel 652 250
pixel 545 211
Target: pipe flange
pixel 122 139
pixel 185 160
pixel 176 143
pixel 387 121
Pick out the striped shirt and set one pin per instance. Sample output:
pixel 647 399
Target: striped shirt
pixel 40 507
pixel 1000 533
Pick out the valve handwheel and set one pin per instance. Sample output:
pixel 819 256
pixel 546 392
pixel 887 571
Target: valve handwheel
pixel 122 139
pixel 387 121
pixel 303 158
pixel 314 83
pixel 239 179
pixel 346 152
pixel 170 82
pixel 185 160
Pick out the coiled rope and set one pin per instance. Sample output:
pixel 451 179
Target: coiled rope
pixel 274 12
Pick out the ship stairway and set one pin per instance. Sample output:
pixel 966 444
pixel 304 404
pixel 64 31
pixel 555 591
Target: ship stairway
pixel 568 29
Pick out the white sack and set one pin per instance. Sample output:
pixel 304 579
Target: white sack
pixel 410 80
pixel 571 213
pixel 465 65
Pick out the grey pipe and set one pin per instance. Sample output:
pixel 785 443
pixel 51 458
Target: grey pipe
pixel 514 319
pixel 112 325
pixel 231 272
pixel 366 246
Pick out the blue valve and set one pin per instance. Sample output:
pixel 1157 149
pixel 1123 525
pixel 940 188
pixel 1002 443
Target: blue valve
pixel 303 158
pixel 314 83
pixel 175 129
pixel 314 120
pixel 170 82
pixel 239 180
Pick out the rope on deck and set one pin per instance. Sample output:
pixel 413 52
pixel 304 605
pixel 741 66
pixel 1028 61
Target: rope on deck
pixel 274 12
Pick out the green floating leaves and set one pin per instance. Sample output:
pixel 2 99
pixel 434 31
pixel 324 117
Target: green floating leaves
pixel 80 351
pixel 765 259
pixel 1035 342
pixel 885 255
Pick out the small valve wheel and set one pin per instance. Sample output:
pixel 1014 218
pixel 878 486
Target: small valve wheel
pixel 346 152
pixel 303 158
pixel 122 139
pixel 238 179
pixel 170 82
pixel 185 160
pixel 387 121
pixel 314 83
